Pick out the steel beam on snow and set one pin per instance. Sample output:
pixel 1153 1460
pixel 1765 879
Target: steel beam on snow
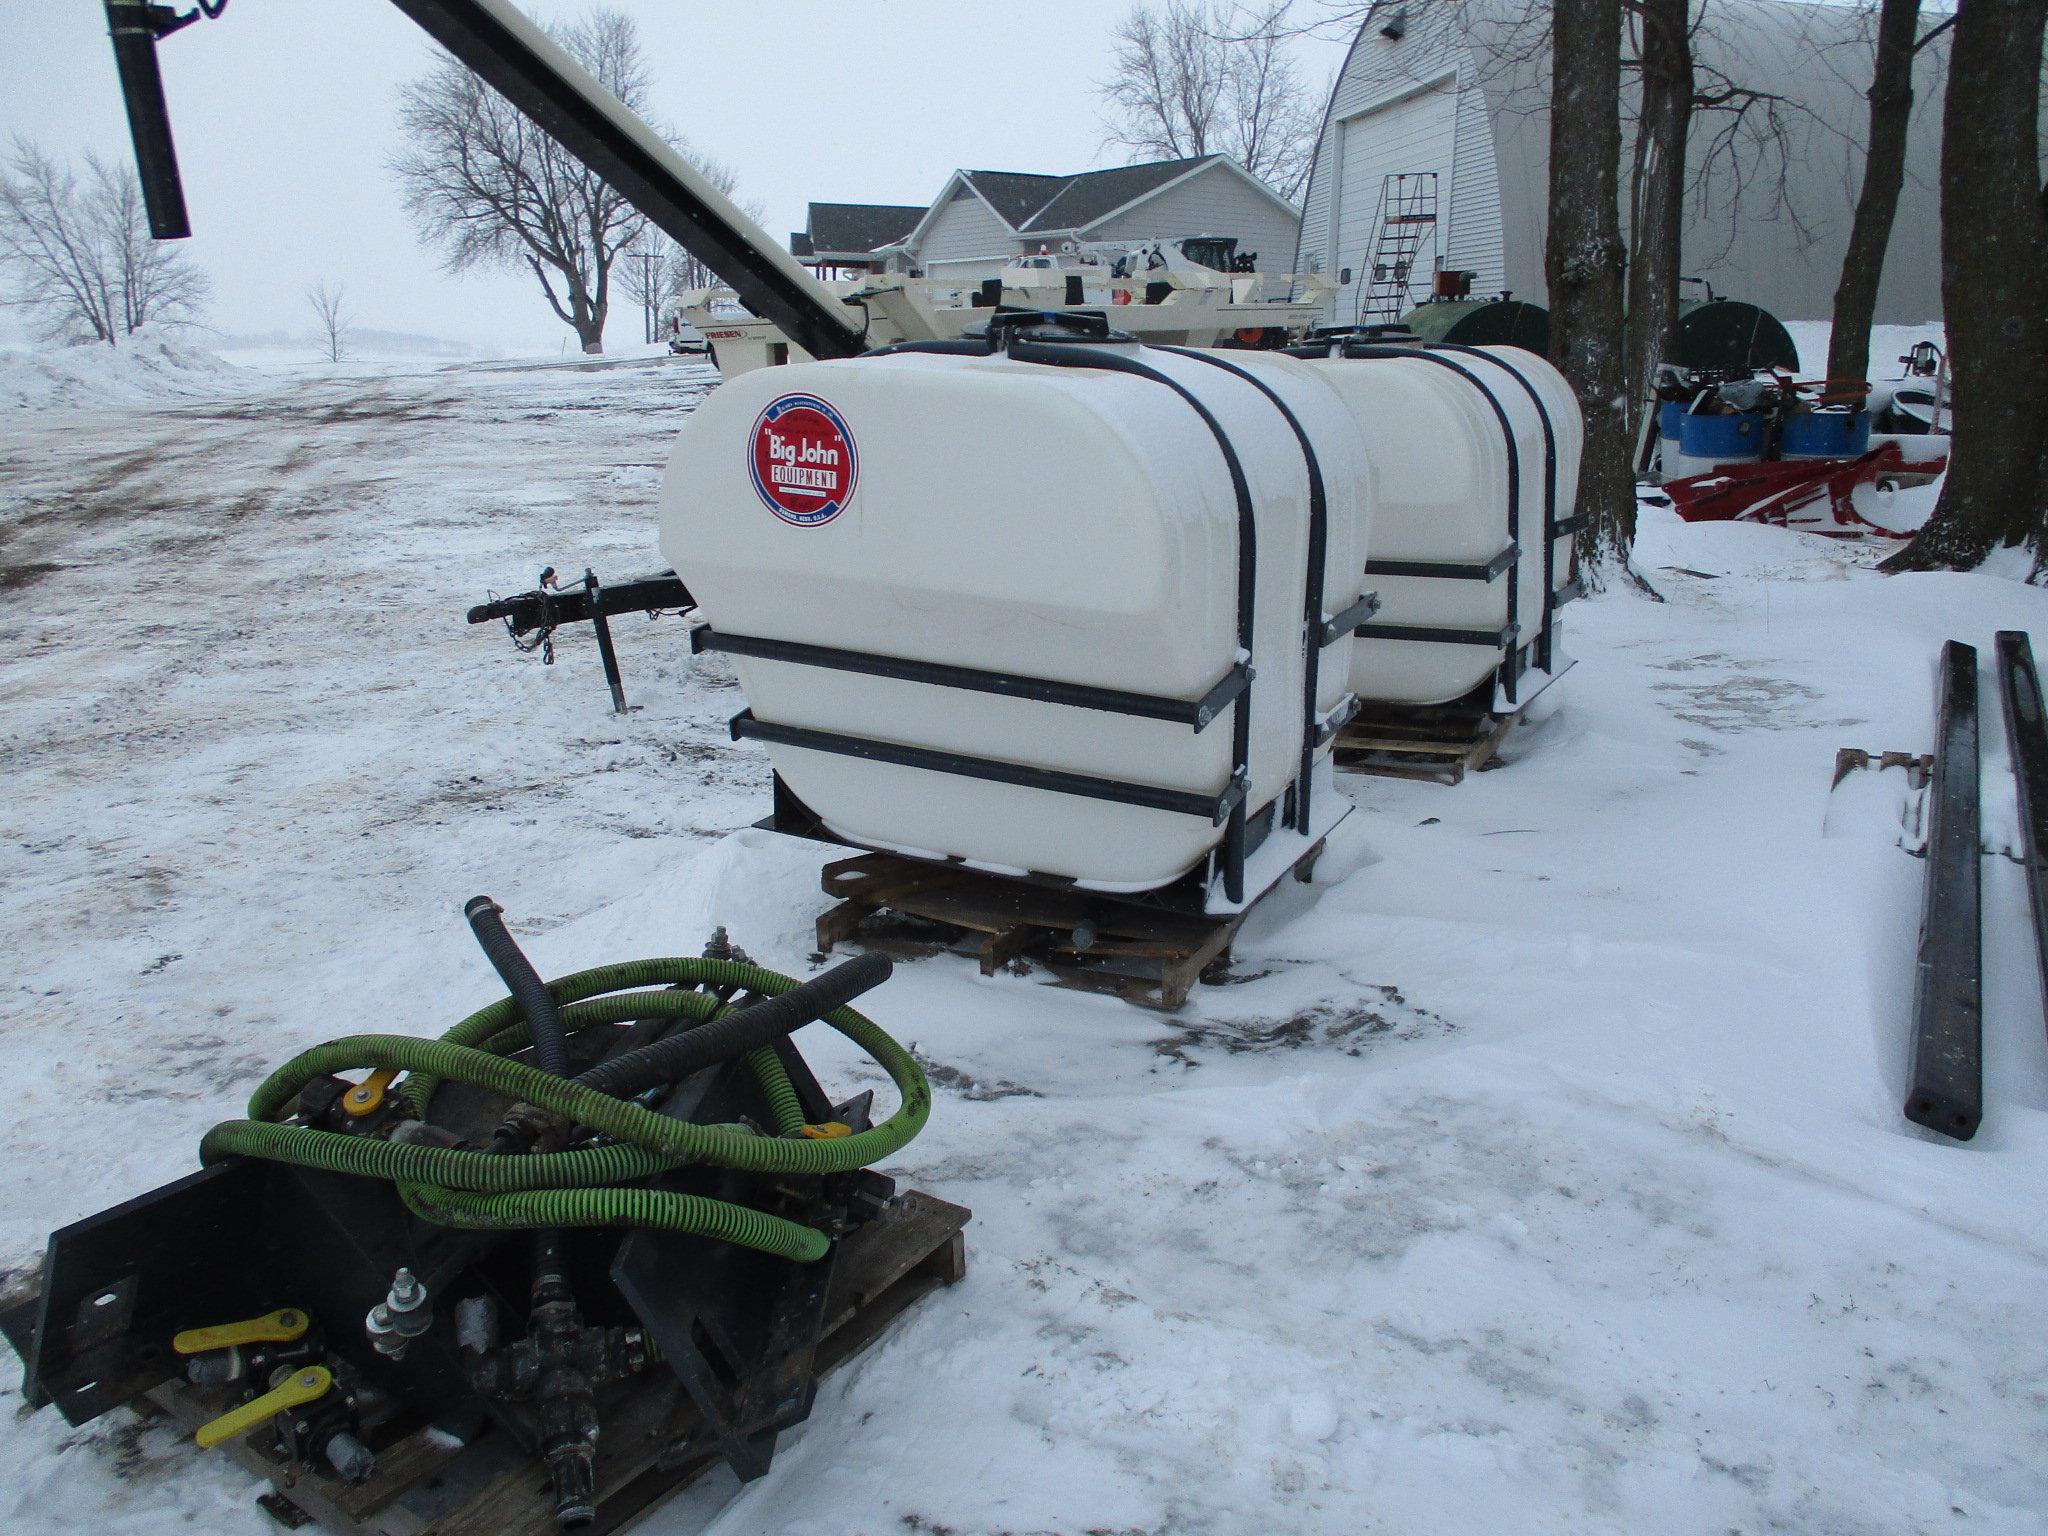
pixel 2026 743
pixel 1946 1093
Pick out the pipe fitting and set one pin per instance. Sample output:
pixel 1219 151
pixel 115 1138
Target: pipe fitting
pixel 403 1315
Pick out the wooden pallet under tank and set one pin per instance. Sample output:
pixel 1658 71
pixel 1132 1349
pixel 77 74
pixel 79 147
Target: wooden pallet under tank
pixel 1141 951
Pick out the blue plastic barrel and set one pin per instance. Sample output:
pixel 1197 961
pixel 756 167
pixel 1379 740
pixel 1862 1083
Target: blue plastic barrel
pixel 1732 439
pixel 1826 435
pixel 1670 416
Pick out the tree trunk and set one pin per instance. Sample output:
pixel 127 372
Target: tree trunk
pixel 1585 261
pixel 1994 290
pixel 1658 196
pixel 1884 173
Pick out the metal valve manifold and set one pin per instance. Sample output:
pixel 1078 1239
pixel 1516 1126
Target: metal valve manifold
pixel 601 1184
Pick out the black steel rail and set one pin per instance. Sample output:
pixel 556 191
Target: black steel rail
pixel 1946 1093
pixel 2026 743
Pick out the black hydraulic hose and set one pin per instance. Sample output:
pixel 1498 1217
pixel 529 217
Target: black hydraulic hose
pixel 756 1024
pixel 964 348
pixel 550 1049
pixel 536 1003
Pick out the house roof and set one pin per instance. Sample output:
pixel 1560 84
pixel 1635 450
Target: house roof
pixel 1016 195
pixel 1030 203
pixel 1087 197
pixel 853 228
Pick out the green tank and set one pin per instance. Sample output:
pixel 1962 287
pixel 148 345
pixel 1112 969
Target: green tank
pixel 1501 322
pixel 1729 336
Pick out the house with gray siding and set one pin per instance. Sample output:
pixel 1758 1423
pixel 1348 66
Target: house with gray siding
pixel 845 239
pixel 1458 91
pixel 982 219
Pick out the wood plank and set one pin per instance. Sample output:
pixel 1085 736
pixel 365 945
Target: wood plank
pixel 1166 949
pixel 840 923
pixel 999 949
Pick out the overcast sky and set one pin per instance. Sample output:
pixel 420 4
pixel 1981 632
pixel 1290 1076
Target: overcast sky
pixel 283 111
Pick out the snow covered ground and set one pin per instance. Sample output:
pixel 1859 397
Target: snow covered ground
pixel 1541 1169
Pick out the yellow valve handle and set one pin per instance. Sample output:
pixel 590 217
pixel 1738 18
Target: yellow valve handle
pixel 368 1095
pixel 279 1327
pixel 831 1130
pixel 300 1388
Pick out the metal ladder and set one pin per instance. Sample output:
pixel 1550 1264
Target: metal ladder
pixel 1405 221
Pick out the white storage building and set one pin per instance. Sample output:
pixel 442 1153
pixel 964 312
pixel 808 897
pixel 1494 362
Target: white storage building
pixel 983 219
pixel 1457 91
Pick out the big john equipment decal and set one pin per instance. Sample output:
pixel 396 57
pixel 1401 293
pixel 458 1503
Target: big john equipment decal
pixel 802 460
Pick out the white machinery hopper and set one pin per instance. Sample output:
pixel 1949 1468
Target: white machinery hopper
pixel 1477 450
pixel 1046 611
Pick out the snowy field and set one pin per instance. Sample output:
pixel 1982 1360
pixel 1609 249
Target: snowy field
pixel 1541 1169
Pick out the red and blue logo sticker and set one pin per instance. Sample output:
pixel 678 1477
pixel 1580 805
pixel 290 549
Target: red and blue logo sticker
pixel 803 461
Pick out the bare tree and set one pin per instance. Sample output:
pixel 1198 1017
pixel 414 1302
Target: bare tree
pixel 490 188
pixel 1584 261
pixel 334 319
pixel 79 254
pixel 1884 175
pixel 1199 77
pixel 1657 187
pixel 1994 292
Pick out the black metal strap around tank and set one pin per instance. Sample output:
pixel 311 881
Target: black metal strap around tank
pixel 1319 629
pixel 1215 808
pixel 1198 713
pixel 1554 527
pixel 1510 635
pixel 1066 354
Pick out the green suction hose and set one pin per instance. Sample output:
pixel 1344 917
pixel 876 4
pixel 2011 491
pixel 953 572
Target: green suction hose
pixel 478 1190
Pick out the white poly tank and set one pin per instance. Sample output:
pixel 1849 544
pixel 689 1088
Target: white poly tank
pixel 1433 423
pixel 1070 525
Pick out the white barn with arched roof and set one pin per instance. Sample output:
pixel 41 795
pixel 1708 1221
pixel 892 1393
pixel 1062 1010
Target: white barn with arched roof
pixel 1459 88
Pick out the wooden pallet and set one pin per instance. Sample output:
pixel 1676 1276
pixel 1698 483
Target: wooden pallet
pixel 1916 765
pixel 1441 743
pixel 423 1487
pixel 1146 954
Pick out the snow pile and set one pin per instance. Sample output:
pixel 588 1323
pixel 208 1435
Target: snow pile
pixel 146 367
